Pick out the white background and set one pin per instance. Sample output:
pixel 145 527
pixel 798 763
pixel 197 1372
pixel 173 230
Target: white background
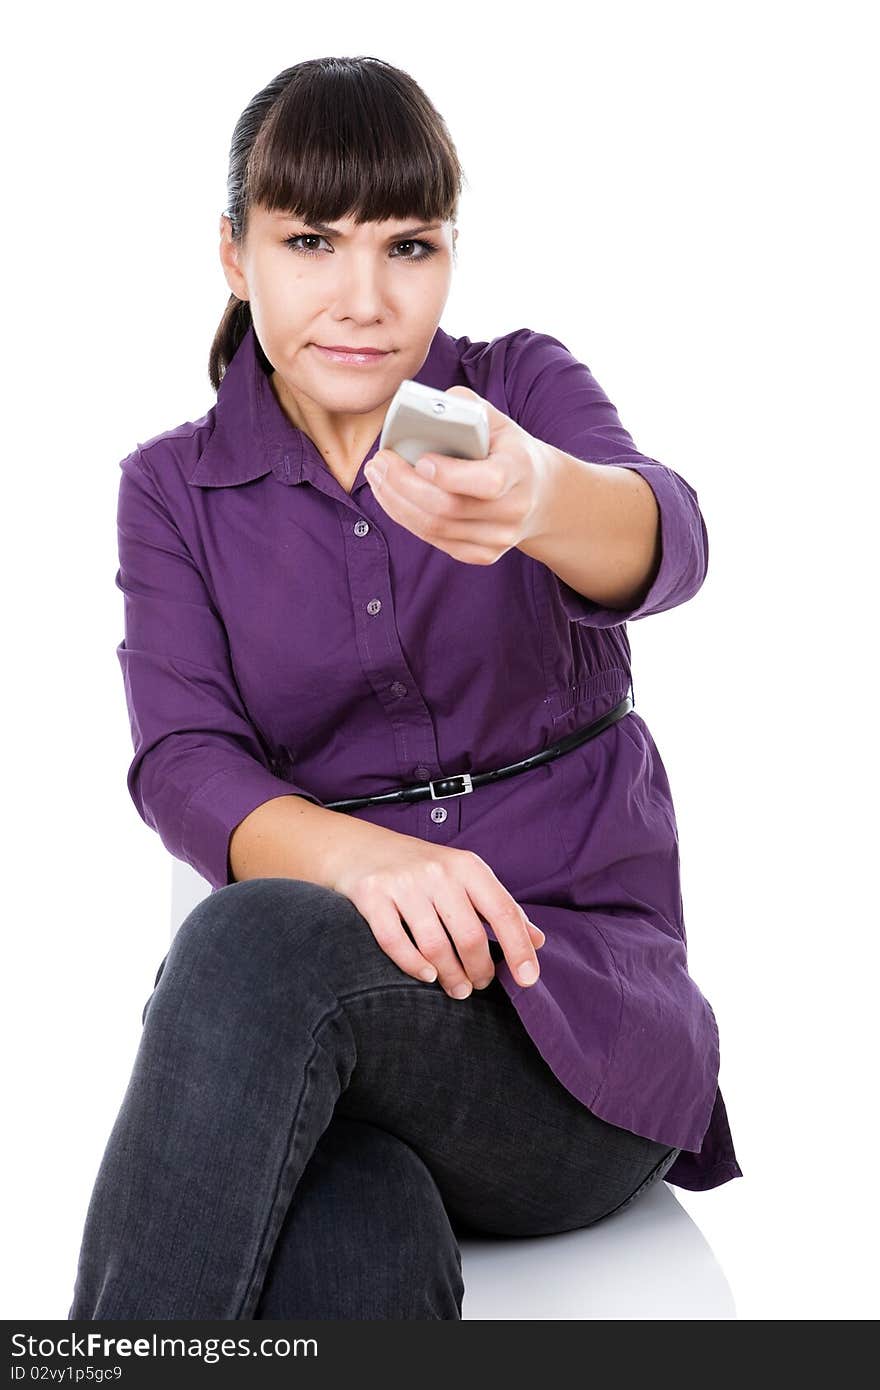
pixel 682 194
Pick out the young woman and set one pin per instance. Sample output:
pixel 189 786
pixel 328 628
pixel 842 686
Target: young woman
pixel 388 716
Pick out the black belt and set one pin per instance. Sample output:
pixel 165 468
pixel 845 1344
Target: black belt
pixel 460 783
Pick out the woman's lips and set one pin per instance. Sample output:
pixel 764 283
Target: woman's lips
pixel 351 359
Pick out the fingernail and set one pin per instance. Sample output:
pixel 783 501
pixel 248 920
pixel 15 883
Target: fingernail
pixel 425 467
pixel 527 973
pixel 429 976
pixel 460 991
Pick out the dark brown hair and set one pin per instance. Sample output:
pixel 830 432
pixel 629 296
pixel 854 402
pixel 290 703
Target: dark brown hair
pixel 332 138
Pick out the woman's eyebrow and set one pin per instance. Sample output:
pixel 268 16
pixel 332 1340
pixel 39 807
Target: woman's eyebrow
pixel 324 230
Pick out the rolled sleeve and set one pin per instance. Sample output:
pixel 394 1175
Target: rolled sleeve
pixel 199 766
pixel 558 400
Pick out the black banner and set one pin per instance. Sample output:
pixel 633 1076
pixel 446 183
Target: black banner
pixel 256 1353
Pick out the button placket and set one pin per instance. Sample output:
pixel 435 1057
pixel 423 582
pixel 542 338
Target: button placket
pixel 382 658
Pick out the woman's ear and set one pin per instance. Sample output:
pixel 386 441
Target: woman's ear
pixel 235 279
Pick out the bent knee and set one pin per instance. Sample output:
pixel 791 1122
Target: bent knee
pixel 254 912
pixel 246 937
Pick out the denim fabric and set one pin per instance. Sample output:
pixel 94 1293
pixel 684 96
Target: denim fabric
pixel 307 1129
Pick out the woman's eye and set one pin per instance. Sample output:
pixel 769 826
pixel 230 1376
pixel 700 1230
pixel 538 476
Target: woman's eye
pixel 428 248
pixel 303 236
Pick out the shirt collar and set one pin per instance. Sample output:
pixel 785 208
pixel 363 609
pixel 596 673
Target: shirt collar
pixel 253 436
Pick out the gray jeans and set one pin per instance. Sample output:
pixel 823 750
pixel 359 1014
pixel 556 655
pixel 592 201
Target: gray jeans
pixel 307 1129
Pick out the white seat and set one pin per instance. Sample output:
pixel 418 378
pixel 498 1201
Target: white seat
pixel 649 1261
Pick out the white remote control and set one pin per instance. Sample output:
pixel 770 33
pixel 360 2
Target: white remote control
pixel 422 420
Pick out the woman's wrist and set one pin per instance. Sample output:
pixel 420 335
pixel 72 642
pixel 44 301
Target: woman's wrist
pixel 291 837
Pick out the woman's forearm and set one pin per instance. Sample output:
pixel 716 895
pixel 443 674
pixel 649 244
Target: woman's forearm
pixel 600 530
pixel 290 837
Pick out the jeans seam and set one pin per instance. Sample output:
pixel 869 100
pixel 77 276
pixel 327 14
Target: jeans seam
pixel 254 1285
pixel 390 988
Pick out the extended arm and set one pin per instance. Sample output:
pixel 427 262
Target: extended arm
pixel 600 530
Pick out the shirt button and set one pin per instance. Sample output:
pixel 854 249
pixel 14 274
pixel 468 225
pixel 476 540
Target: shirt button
pixel 438 814
pixel 422 771
pixel 374 605
pixel 361 527
pixel 398 688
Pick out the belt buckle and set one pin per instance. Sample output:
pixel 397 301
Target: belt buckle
pixel 463 777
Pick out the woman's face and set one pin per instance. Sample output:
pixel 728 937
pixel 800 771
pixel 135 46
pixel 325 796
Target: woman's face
pixel 359 286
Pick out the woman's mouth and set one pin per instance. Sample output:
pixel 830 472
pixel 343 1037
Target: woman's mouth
pixel 349 358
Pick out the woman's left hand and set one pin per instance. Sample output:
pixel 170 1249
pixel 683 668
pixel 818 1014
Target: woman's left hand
pixel 474 509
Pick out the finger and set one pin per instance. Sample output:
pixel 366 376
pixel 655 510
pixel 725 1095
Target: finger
pixel 538 937
pixel 386 926
pixel 497 419
pixel 536 934
pixel 456 911
pixel 486 479
pixel 534 931
pixel 434 944
pixel 508 922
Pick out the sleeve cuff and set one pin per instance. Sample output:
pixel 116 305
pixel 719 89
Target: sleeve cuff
pixel 216 808
pixel 684 552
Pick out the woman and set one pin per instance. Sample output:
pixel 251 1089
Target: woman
pixel 310 1120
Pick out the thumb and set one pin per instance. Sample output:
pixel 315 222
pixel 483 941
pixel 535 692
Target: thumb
pixel 496 417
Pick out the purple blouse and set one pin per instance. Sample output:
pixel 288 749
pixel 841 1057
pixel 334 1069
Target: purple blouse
pixel 283 636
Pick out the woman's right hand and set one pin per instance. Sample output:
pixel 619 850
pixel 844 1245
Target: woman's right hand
pixel 440 893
